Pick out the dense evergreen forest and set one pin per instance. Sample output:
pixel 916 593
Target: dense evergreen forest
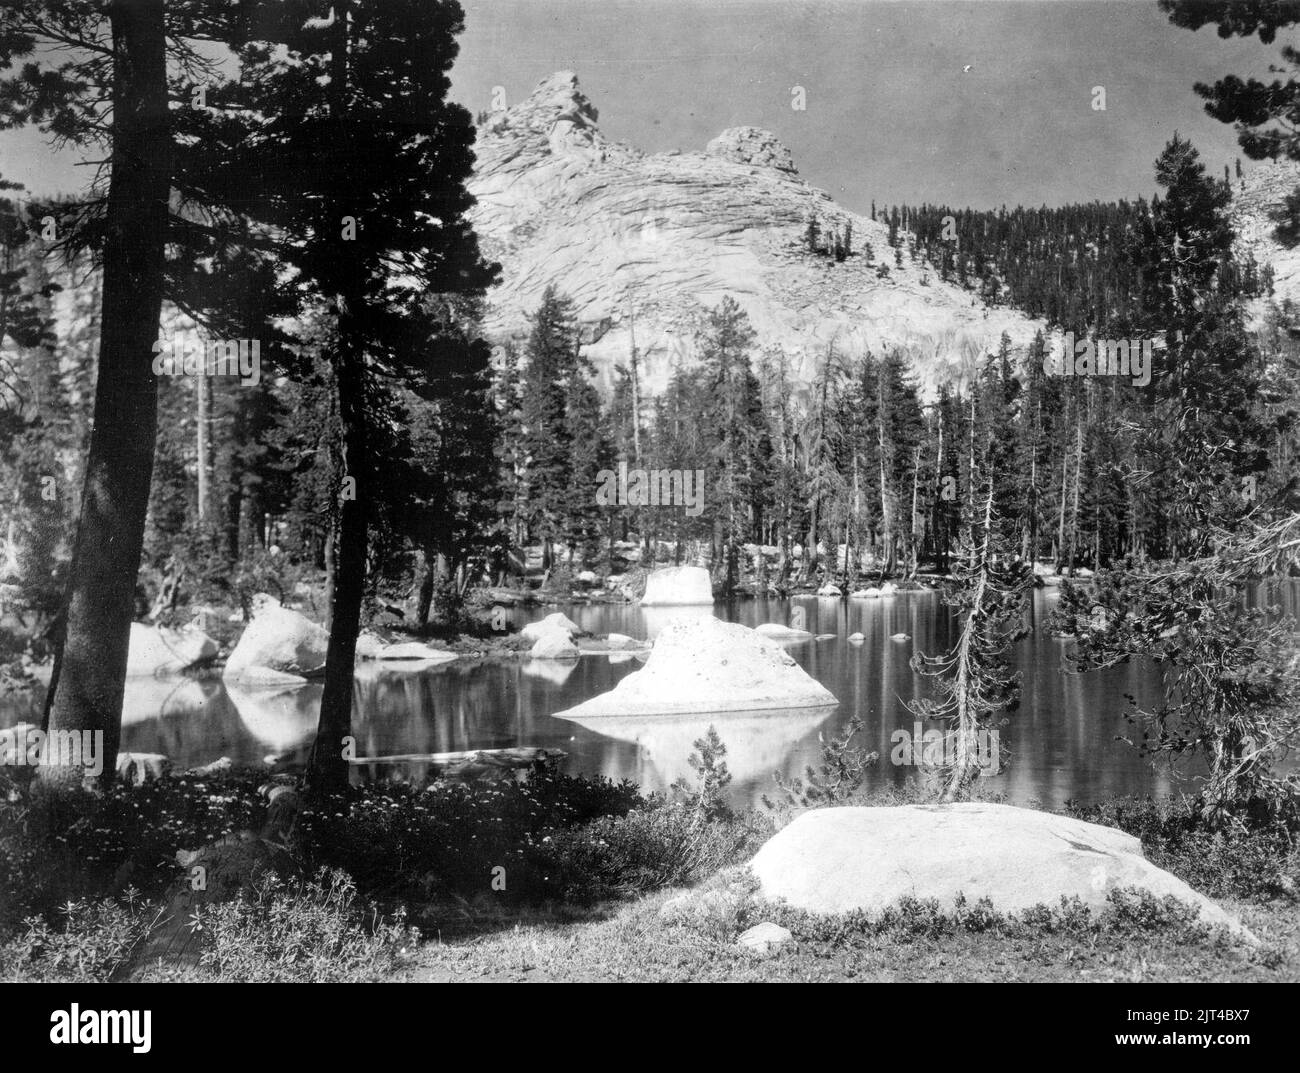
pixel 482 458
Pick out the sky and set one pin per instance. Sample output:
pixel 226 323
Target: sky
pixel 891 114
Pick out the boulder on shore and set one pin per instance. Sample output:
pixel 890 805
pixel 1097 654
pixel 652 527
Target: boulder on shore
pixel 838 860
pixel 156 651
pixel 554 644
pixel 551 623
pixel 414 650
pixel 707 665
pixel 135 769
pixel 278 640
pixel 676 585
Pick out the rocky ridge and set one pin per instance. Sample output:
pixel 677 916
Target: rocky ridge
pixel 644 244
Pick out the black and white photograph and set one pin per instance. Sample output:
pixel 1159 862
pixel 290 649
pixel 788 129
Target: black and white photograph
pixel 712 491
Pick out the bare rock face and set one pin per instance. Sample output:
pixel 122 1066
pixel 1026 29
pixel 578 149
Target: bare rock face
pixel 1255 202
pixel 750 145
pixel 645 244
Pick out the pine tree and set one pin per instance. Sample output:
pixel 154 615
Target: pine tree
pixel 988 594
pixel 341 175
pixel 552 357
pixel 740 449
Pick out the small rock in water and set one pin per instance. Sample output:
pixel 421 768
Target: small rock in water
pixel 765 938
pixel 856 638
pixel 778 631
pixel 900 637
pixel 825 636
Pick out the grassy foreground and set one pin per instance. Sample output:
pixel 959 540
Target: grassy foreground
pixel 633 943
pixel 559 878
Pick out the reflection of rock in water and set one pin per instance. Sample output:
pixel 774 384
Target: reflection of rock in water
pixel 555 671
pixel 157 698
pixel 758 743
pixel 190 722
pixel 282 719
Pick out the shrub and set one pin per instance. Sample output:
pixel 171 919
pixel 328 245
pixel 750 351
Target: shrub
pixel 835 782
pixel 1257 857
pixel 709 766
pixel 61 844
pixel 670 845
pixel 444 842
pixel 312 932
pixel 92 945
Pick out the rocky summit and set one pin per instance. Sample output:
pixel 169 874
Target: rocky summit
pixel 1256 203
pixel 644 244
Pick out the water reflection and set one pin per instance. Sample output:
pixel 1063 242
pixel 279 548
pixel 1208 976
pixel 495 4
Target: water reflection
pixel 1060 743
pixel 758 742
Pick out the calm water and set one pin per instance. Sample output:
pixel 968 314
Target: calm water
pixel 1061 741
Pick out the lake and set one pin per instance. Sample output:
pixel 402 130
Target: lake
pixel 1060 743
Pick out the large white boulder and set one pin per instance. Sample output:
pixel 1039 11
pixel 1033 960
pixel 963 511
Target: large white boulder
pixel 554 644
pixel 835 860
pixel 707 665
pixel 549 624
pixel 156 651
pixel 278 640
pixel 676 585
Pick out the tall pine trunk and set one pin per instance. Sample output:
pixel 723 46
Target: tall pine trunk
pixel 86 693
pixel 203 437
pixel 328 767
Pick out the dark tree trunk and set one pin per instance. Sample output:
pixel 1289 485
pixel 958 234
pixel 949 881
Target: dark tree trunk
pixel 328 769
pixel 87 692
pixel 424 599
